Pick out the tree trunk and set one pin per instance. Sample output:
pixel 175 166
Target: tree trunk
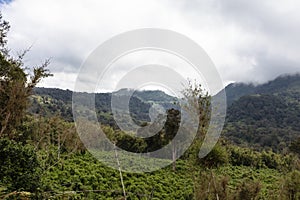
pixel 174 155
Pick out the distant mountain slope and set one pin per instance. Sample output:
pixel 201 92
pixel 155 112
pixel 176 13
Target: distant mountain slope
pixel 234 91
pixel 154 96
pixel 264 116
pixel 53 101
pixel 285 83
pixel 281 85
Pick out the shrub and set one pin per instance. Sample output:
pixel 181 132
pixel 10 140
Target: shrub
pixel 217 157
pixel 248 190
pixel 20 168
pixel 291 189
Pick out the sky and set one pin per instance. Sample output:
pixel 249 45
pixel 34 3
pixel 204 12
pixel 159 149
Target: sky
pixel 248 41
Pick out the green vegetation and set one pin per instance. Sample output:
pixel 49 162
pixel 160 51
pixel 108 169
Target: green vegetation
pixel 42 157
pixel 20 168
pixel 267 117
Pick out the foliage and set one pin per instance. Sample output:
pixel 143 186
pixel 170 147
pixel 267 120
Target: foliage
pixel 41 152
pixel 266 116
pixel 248 190
pixel 295 146
pixel 16 85
pixel 52 101
pixel 291 188
pixel 217 157
pixel 285 84
pixel 266 159
pixel 197 104
pixel 208 186
pixel 20 168
pixel 90 179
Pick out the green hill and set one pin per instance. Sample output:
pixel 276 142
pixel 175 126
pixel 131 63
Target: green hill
pixel 53 101
pixel 264 116
pixel 285 84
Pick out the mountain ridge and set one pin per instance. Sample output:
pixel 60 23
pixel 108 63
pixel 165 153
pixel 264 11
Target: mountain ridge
pixel 262 116
pixel 266 116
pixel 288 81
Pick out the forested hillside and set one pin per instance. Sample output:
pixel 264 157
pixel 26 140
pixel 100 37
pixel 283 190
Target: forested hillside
pixel 266 116
pixel 53 101
pixel 42 155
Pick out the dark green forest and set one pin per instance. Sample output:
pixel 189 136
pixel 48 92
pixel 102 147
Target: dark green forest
pixel 42 156
pixel 265 117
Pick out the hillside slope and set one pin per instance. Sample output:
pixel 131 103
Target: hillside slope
pixel 264 116
pixel 54 101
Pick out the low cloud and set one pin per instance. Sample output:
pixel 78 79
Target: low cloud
pixel 247 40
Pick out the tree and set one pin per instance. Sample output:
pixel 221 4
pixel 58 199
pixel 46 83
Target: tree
pixel 295 146
pixel 20 168
pixel 248 190
pixel 291 187
pixel 198 105
pixel 208 186
pixel 171 127
pixel 217 157
pixel 16 85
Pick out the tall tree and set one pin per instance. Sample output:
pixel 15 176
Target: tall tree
pixel 198 104
pixel 16 85
pixel 171 128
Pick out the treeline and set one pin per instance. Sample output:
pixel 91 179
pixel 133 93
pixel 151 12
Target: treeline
pixel 42 157
pixel 266 116
pixel 263 117
pixel 263 122
pixel 52 101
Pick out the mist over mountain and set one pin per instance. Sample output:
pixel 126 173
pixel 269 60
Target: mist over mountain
pixel 260 116
pixel 280 85
pixel 264 116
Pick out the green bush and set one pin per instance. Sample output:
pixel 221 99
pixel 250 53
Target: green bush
pixel 291 189
pixel 217 157
pixel 20 168
pixel 248 190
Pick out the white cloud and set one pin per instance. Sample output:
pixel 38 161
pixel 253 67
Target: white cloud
pixel 248 41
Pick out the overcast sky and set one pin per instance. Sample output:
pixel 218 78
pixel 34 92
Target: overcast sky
pixel 248 41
